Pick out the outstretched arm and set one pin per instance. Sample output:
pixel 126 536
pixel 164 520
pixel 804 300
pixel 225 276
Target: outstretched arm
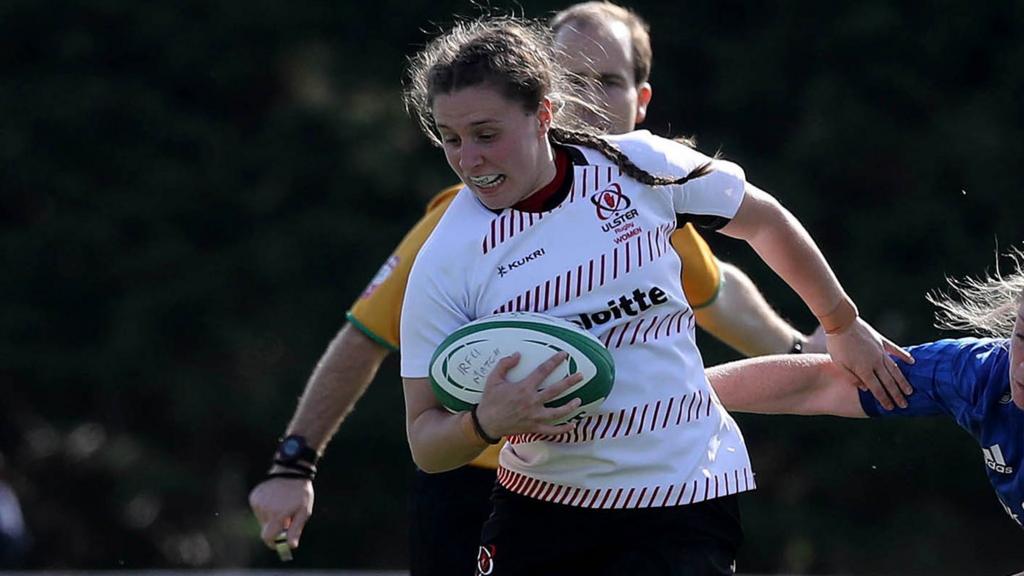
pixel 807 385
pixel 782 242
pixel 727 304
pixel 338 381
pixel 743 319
pixel 342 375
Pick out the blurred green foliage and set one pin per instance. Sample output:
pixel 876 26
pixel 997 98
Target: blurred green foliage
pixel 193 192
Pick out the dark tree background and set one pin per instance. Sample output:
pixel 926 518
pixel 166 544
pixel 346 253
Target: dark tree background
pixel 192 193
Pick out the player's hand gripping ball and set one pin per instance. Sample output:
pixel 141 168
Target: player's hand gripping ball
pixel 459 368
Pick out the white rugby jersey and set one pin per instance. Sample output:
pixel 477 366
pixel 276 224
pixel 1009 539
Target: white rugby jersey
pixel 602 259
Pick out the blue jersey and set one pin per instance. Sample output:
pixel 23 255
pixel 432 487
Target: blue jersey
pixel 969 380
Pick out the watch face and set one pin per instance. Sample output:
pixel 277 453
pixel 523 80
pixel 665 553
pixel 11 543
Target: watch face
pixel 291 447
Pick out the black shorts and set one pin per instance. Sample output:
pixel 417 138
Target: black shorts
pixel 448 511
pixel 527 537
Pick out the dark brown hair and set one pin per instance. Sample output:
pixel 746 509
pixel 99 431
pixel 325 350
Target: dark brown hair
pixel 515 57
pixel 518 59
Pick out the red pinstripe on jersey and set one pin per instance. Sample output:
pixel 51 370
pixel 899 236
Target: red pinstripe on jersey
pixel 651 496
pixel 597 272
pixel 601 260
pixel 657 327
pixel 505 226
pixel 678 410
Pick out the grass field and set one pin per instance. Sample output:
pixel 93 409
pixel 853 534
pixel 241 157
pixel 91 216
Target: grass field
pixel 239 572
pixel 229 572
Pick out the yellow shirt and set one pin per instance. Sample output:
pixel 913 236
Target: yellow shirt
pixel 378 310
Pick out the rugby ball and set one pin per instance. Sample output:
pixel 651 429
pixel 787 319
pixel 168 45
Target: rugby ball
pixel 461 364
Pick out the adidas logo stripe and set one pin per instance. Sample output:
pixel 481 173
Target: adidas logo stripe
pixel 994 459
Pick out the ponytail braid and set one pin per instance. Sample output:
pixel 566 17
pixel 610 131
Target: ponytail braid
pixel 622 161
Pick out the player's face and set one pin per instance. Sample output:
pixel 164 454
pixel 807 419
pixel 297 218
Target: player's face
pixel 604 54
pixel 494 146
pixel 1017 359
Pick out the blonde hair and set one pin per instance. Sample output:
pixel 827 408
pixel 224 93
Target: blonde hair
pixel 986 306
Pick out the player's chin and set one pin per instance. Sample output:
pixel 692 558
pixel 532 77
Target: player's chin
pixel 494 204
pixel 494 201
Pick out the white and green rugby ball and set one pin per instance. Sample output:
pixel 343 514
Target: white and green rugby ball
pixel 461 364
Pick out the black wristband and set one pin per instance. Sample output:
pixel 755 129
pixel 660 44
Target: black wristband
pixel 480 429
pixel 309 471
pixel 290 474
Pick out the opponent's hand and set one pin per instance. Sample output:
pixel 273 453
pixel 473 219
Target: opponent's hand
pixel 865 353
pixel 508 408
pixel 282 504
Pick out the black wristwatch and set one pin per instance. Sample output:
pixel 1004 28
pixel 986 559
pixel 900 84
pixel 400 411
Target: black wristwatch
pixel 798 344
pixel 293 451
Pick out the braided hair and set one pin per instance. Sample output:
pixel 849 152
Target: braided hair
pixel 516 57
pixel 621 160
pixel 519 59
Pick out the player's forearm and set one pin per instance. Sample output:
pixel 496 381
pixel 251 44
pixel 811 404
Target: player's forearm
pixel 441 441
pixel 805 385
pixel 438 439
pixel 741 317
pixel 338 381
pixel 783 243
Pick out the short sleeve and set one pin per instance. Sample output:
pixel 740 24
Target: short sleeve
pixel 378 310
pixel 714 197
pixel 436 301
pixel 944 377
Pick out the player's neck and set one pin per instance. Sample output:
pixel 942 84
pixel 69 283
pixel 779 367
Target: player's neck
pixel 552 193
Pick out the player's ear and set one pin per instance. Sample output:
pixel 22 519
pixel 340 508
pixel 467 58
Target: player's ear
pixel 544 116
pixel 643 99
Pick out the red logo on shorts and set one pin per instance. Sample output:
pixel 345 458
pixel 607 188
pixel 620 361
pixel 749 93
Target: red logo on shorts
pixel 485 560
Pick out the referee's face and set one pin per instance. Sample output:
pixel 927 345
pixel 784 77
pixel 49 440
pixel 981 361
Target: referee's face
pixel 603 54
pixel 497 148
pixel 1017 359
